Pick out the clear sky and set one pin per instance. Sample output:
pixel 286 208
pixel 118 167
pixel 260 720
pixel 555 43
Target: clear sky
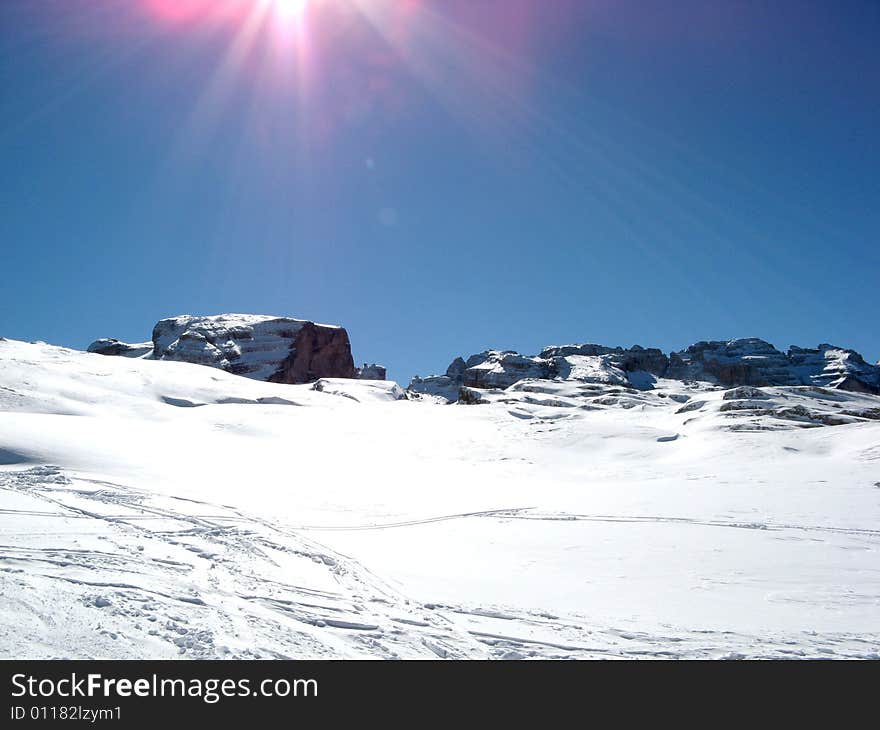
pixel 443 176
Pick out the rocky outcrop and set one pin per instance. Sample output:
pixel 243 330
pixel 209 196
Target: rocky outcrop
pixel 748 363
pixel 501 369
pixel 636 367
pixel 641 359
pixel 261 347
pixel 276 349
pixel 372 372
pixel 109 346
pixel 735 362
pixel 650 360
pixel 488 369
pixel 758 363
pixel 836 367
pixel 456 369
pixel 744 392
pixel 438 386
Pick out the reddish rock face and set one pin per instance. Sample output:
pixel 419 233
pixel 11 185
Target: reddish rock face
pixel 275 349
pixel 317 352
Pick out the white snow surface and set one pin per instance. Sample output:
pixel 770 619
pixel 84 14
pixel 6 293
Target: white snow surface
pixel 156 509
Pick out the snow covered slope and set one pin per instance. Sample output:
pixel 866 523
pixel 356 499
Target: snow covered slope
pixel 164 509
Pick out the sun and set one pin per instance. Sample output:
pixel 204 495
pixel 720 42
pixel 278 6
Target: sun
pixel 290 9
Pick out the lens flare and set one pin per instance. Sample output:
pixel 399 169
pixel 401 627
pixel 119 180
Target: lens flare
pixel 290 10
pixel 314 68
pixel 187 12
pixel 181 12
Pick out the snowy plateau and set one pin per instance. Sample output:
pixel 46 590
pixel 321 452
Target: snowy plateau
pixel 598 503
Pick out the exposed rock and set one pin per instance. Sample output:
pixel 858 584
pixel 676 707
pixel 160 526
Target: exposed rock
pixel 584 363
pixel 589 350
pixel 749 363
pixel 276 349
pixel 472 396
pixel 694 405
pixel 501 369
pixel 736 362
pixel 109 346
pixel 372 372
pixel 650 360
pixel 745 405
pixel 456 369
pixel 800 413
pixel 835 367
pixel 261 347
pixel 441 386
pixel 755 362
pixel 589 369
pixel 871 414
pixel 744 392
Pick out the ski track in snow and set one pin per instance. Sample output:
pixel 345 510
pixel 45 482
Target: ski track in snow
pixel 173 581
pixel 183 578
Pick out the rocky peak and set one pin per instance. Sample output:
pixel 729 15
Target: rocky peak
pixel 588 350
pixel 756 362
pixel 262 347
pixel 749 362
pixel 456 369
pixel 372 372
pixel 835 367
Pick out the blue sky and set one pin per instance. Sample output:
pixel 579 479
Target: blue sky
pixel 443 177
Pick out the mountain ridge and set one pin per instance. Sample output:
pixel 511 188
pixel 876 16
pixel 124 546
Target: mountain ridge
pixel 728 363
pixel 289 350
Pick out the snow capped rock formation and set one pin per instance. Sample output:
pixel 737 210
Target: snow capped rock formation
pixel 744 362
pixel 836 367
pixel 501 369
pixel 635 359
pixel 494 369
pixel 109 346
pixel 438 386
pixel 261 347
pixel 276 349
pixel 372 372
pixel 756 362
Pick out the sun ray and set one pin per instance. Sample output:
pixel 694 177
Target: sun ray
pixel 290 10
